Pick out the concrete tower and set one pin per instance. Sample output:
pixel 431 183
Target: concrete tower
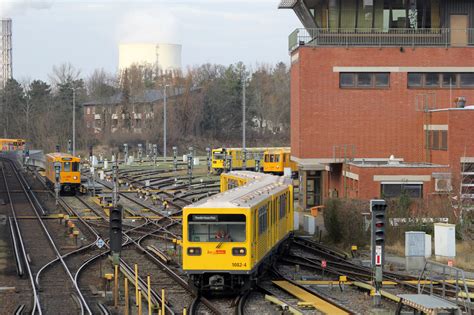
pixel 6 51
pixel 165 57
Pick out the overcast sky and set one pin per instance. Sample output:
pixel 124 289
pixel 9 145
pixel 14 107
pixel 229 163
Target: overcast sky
pixel 86 33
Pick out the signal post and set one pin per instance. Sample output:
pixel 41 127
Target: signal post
pixel 115 230
pixel 378 209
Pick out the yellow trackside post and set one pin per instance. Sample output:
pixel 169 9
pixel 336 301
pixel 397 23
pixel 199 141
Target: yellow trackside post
pixel 127 301
pixel 136 284
pixel 116 286
pixel 149 294
pixel 163 301
pixel 185 311
pixel 140 302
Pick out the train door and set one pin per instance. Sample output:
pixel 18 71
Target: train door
pixel 254 238
pixel 272 224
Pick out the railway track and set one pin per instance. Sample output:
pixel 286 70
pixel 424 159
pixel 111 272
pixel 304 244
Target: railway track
pixel 52 291
pixel 135 250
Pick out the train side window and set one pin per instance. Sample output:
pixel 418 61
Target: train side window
pixel 75 166
pixel 288 201
pixel 67 166
pixel 283 206
pixel 254 229
pixel 277 158
pixel 262 219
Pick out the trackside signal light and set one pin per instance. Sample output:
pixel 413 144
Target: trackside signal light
pixel 378 209
pixel 116 229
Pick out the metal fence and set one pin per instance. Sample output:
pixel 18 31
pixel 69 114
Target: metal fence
pixel 381 37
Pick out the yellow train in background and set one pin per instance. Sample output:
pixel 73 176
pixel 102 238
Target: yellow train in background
pixel 255 158
pixel 236 179
pixel 70 171
pixel 228 237
pixel 275 160
pixel 7 145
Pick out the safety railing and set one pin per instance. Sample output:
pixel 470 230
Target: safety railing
pixel 428 37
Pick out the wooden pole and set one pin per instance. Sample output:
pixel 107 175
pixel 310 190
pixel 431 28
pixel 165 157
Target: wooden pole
pixel 136 284
pixel 163 301
pixel 140 302
pixel 148 280
pixel 116 286
pixel 127 301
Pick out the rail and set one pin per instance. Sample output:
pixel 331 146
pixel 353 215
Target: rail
pixel 394 37
pixel 25 188
pixel 36 302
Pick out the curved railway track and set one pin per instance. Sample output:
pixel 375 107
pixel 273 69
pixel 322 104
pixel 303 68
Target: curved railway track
pixel 52 291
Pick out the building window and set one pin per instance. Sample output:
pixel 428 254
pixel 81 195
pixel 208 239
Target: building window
pixel 441 80
pixel 434 139
pixel 450 80
pixel 467 181
pixel 437 139
pixel 467 79
pixel 88 110
pixel 347 80
pixel 394 190
pixel 432 79
pixel 444 140
pixel 415 79
pixel 365 80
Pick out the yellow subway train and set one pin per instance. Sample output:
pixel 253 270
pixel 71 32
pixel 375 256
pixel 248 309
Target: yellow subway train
pixel 236 179
pixel 276 160
pixel 228 237
pixel 7 145
pixel 69 175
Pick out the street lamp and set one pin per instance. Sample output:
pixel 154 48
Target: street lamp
pixel 244 146
pixel 164 122
pixel 73 121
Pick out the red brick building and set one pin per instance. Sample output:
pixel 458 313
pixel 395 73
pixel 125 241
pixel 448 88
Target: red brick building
pixel 135 115
pixel 372 79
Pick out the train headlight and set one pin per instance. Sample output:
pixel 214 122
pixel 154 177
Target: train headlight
pixel 239 251
pixel 194 251
pixel 75 177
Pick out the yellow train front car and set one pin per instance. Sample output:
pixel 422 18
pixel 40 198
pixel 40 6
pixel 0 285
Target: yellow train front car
pixel 277 159
pixel 69 175
pixel 228 237
pixel 9 145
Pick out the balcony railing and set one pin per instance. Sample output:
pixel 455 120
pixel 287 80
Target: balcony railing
pixel 381 37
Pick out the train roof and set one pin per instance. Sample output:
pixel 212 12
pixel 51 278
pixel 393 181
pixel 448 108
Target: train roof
pixel 254 149
pixel 60 155
pixel 278 150
pixel 248 195
pixel 4 139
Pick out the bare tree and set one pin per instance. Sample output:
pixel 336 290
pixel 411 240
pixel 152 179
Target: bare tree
pixel 63 74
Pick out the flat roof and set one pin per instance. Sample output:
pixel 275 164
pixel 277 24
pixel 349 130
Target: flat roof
pixel 394 164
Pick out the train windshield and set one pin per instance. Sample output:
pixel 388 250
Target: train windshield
pixel 75 166
pixel 216 227
pixel 67 167
pixel 219 156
